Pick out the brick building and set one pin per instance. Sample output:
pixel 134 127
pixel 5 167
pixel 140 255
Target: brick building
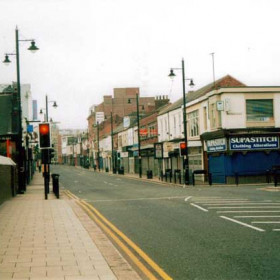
pixel 121 104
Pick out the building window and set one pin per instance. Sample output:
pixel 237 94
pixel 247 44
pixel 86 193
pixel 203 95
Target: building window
pixel 205 117
pixel 193 123
pixel 259 110
pixel 174 126
pixel 152 132
pixel 180 126
pixel 213 115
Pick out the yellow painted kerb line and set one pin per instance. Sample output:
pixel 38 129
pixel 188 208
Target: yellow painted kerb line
pixel 110 229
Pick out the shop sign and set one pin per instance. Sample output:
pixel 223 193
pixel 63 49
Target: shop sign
pixel 99 117
pixel 167 147
pixel 216 145
pixel 143 131
pixel 254 143
pixel 5 138
pixel 124 154
pixel 158 150
pixel 126 122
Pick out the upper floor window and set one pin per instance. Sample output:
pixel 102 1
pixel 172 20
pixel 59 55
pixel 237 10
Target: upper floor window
pixel 213 115
pixel 174 126
pixel 152 132
pixel 193 123
pixel 259 110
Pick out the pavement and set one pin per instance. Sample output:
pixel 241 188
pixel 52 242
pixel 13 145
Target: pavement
pixel 55 239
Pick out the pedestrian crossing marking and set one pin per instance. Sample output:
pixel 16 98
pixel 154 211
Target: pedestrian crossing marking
pixel 253 210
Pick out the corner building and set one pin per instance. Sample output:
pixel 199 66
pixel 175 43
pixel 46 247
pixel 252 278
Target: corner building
pixel 241 133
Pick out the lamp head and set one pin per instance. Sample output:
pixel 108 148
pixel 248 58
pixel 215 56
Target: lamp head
pixel 191 83
pixel 41 112
pixel 171 74
pixel 55 105
pixel 33 48
pixel 6 60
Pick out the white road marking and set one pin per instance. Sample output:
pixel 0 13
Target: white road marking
pixel 240 223
pixel 276 229
pixel 249 211
pixel 220 201
pixel 136 199
pixel 241 217
pixel 217 199
pixel 266 222
pixel 243 207
pixel 187 198
pixel 199 207
pixel 241 203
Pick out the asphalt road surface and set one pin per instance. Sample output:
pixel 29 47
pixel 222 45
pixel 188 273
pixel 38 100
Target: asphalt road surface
pixel 191 233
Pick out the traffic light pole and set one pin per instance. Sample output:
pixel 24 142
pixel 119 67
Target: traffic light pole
pixel 45 154
pixel 47 166
pixel 186 156
pixel 45 143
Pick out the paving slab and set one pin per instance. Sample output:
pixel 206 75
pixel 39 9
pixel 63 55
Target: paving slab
pixel 54 239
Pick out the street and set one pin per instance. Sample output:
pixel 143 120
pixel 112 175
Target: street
pixel 191 233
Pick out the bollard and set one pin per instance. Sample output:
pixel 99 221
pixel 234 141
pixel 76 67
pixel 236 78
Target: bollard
pixel 55 183
pixel 210 179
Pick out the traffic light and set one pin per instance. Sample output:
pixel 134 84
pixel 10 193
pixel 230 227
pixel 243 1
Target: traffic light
pixel 44 136
pixel 51 153
pixel 183 149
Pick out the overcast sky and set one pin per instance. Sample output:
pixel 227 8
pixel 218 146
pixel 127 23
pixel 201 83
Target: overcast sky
pixel 89 47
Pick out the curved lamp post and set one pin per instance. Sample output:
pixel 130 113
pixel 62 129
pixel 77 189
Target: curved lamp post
pixel 47 108
pixel 20 150
pixel 186 158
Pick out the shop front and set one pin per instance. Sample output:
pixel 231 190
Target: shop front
pixel 248 158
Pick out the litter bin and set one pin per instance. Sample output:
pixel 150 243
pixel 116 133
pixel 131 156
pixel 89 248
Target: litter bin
pixel 121 170
pixel 55 183
pixel 107 169
pixel 149 174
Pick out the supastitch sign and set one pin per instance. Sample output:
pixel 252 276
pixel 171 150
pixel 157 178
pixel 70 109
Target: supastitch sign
pixel 216 145
pixel 253 143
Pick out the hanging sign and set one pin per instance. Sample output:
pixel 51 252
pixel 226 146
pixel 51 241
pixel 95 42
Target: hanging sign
pixel 158 150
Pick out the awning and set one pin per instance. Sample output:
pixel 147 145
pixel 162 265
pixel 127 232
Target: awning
pixel 6 161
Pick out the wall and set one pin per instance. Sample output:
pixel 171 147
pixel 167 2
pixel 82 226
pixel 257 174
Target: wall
pixel 235 117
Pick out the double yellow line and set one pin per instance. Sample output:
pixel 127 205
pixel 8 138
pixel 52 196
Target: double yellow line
pixel 123 242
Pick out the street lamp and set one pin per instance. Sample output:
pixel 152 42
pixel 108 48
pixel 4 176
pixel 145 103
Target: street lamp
pixel 47 107
pixel 186 157
pixel 138 134
pixel 47 152
pixel 98 148
pixel 20 150
pixel 112 146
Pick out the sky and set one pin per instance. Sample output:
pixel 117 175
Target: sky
pixel 90 47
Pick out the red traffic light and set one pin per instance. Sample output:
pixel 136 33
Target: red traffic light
pixel 183 149
pixel 44 128
pixel 44 136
